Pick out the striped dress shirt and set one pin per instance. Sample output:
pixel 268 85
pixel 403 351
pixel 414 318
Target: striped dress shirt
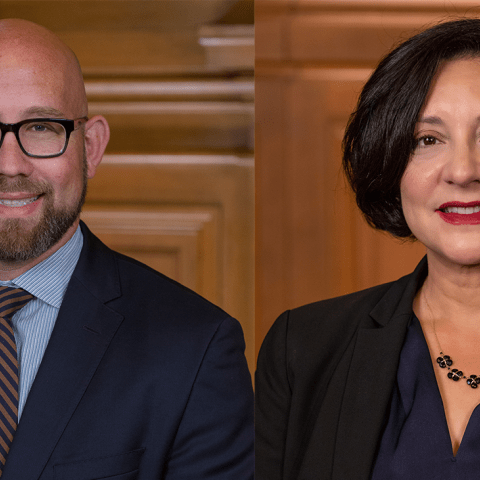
pixel 33 324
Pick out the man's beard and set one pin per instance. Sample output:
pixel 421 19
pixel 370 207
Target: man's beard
pixel 20 243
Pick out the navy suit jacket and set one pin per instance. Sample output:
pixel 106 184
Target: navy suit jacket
pixel 142 379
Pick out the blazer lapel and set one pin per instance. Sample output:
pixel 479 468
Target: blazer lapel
pixel 367 397
pixel 82 333
pixel 347 423
pixel 370 380
pixel 346 426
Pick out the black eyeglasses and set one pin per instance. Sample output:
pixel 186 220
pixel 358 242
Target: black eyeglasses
pixel 42 137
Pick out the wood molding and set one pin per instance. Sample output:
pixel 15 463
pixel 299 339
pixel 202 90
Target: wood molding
pixel 117 15
pixel 228 46
pixel 182 243
pixel 358 33
pixel 185 159
pixel 201 88
pixel 159 108
pixel 262 6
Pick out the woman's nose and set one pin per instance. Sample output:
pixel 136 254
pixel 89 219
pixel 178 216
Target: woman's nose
pixel 463 166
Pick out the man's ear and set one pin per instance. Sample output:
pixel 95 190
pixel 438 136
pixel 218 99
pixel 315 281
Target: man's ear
pixel 97 134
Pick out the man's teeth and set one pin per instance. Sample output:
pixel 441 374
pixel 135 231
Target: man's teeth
pixel 18 203
pixel 463 210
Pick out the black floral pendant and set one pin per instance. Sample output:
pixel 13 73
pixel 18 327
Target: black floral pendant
pixel 455 375
pixel 473 381
pixel 444 361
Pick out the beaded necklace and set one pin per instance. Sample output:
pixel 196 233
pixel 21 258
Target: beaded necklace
pixel 445 361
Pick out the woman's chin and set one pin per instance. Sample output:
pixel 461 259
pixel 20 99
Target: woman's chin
pixel 454 258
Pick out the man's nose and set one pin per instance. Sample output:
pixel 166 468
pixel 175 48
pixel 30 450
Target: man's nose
pixel 13 161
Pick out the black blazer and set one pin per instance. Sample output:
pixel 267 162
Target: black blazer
pixel 142 379
pixel 324 381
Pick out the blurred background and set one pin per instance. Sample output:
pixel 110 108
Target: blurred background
pixel 174 78
pixel 312 59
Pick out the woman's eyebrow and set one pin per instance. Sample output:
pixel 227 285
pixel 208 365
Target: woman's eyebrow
pixel 432 120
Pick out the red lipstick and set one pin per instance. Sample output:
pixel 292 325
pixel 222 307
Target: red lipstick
pixel 459 217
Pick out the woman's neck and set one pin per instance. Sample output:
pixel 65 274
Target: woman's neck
pixel 450 294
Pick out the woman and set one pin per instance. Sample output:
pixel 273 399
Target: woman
pixel 382 383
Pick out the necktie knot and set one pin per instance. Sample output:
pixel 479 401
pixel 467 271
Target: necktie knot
pixel 11 300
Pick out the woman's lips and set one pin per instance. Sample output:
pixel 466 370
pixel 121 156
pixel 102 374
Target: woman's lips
pixel 460 213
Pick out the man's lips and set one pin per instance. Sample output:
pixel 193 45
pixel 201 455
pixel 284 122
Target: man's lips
pixel 460 213
pixel 17 195
pixel 17 199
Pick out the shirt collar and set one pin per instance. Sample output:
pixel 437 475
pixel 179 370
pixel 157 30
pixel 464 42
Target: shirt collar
pixel 49 279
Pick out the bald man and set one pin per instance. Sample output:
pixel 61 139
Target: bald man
pixel 108 369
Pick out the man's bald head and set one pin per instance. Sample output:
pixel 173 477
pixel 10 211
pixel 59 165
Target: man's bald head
pixel 25 44
pixel 40 200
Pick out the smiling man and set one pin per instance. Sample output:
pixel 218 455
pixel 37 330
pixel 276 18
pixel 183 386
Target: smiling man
pixel 40 200
pixel 107 368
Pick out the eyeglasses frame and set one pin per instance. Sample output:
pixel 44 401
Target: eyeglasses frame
pixel 68 125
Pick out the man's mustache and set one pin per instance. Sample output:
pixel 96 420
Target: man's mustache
pixel 24 185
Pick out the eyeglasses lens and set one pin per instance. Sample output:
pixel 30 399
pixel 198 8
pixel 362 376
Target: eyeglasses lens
pixel 42 138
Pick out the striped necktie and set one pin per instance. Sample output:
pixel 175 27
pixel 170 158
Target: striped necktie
pixel 11 300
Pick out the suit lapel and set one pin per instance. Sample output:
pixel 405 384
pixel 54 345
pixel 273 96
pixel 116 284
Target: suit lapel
pixel 367 397
pixel 371 378
pixel 82 333
pixel 347 423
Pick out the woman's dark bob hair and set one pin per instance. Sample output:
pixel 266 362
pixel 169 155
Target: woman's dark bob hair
pixel 380 134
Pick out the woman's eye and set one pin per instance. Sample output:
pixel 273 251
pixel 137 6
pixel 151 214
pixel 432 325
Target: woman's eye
pixel 426 141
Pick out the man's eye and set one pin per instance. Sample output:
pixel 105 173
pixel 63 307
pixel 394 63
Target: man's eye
pixel 43 127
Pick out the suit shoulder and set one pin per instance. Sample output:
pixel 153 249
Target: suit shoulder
pixel 142 281
pixel 344 305
pixel 329 322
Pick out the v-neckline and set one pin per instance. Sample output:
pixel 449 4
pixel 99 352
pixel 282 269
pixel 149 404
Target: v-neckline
pixel 439 400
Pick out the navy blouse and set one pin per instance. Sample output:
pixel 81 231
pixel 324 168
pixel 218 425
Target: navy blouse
pixel 416 443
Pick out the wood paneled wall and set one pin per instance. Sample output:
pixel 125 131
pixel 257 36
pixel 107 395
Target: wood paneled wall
pixel 175 81
pixel 312 58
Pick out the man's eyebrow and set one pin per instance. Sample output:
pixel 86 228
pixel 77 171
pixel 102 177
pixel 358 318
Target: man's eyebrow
pixel 44 112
